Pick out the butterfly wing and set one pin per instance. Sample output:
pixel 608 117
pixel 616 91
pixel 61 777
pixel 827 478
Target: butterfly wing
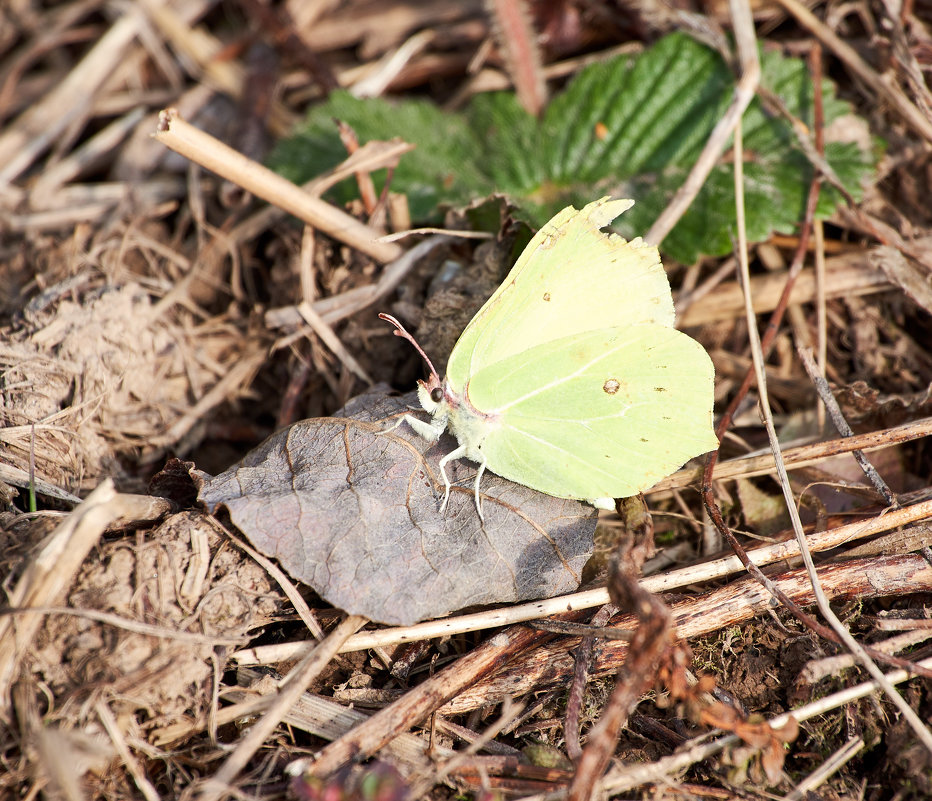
pixel 605 413
pixel 570 278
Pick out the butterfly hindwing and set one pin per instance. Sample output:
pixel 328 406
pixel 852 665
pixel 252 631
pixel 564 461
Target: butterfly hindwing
pixel 606 413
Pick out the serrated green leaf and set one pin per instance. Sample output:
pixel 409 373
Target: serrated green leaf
pixel 511 142
pixel 630 127
pixel 440 169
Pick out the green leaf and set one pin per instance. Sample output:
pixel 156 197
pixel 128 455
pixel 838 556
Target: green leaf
pixel 630 127
pixel 439 170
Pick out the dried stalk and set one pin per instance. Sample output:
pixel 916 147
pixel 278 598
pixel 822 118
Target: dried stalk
pixel 203 149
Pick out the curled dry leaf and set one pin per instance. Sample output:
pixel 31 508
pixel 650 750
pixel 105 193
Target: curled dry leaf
pixel 354 513
pixel 761 740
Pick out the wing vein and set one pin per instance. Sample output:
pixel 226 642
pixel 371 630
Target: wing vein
pixel 556 382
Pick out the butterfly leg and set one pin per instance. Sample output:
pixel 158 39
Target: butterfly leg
pixel 479 473
pixel 458 453
pixel 425 430
pixel 431 431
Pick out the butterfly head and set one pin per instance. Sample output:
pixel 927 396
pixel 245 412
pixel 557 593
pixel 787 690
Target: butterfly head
pixel 432 393
pixel 437 394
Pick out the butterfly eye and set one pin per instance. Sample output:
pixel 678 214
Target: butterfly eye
pixel 436 394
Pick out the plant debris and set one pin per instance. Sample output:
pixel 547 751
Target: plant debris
pixel 161 316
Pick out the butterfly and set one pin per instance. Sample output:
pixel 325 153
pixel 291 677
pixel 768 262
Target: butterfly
pixel 571 379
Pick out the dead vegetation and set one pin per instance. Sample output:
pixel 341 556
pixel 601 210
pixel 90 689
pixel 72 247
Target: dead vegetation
pixel 150 309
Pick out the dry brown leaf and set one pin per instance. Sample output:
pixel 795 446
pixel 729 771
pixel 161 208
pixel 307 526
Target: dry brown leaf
pixel 355 514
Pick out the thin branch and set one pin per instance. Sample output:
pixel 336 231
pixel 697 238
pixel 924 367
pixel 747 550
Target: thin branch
pixel 838 419
pixel 582 664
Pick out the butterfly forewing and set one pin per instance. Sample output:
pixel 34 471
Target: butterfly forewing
pixel 606 413
pixel 571 278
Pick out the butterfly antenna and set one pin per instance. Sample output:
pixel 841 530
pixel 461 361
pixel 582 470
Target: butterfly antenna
pixel 401 332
